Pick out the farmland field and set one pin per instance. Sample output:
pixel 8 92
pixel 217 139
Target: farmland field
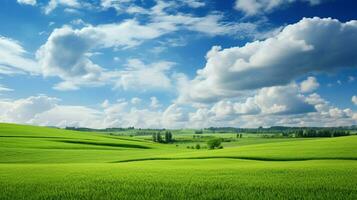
pixel 49 163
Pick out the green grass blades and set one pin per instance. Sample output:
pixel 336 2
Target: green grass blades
pixel 48 163
pixel 184 179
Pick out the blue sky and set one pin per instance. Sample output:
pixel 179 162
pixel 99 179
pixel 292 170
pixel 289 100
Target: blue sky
pixel 178 64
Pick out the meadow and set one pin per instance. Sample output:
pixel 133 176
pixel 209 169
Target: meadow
pixel 51 163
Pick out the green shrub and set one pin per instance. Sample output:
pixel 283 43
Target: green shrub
pixel 214 143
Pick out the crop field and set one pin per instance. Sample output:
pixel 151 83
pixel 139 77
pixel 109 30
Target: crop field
pixel 50 163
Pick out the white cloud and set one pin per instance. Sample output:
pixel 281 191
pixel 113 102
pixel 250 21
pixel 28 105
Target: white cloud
pixel 27 2
pixel 309 85
pixel 154 103
pixel 23 110
pixel 76 67
pixel 65 54
pixel 254 7
pixel 14 58
pixel 351 79
pixel 165 15
pixel 283 100
pixel 225 113
pixel 135 101
pixel 211 24
pixel 114 3
pixel 105 104
pixel 68 116
pixel 297 50
pixel 174 117
pixel 53 4
pixel 194 3
pixel 120 114
pixel 44 110
pixel 67 86
pixel 140 76
pixel 5 89
pixel 354 100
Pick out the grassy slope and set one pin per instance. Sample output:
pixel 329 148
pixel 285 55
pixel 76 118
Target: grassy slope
pixel 37 163
pixel 184 179
pixel 28 144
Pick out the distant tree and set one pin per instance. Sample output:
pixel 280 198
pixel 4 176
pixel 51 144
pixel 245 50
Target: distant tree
pixel 154 137
pixel 320 133
pixel 198 131
pixel 198 146
pixel 168 137
pixel 214 143
pixel 158 137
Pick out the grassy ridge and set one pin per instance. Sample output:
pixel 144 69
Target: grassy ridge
pixel 184 179
pixel 47 163
pixel 27 144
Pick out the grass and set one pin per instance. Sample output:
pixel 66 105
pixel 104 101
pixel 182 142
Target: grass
pixel 47 163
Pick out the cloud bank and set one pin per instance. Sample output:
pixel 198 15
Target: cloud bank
pixel 312 45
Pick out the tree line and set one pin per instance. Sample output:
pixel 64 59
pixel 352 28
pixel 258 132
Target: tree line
pixel 166 138
pixel 316 133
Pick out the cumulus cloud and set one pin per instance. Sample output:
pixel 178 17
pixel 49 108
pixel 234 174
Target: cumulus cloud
pixel 67 51
pixel 14 58
pixel 318 112
pixel 326 110
pixel 137 75
pixel 254 7
pixel 135 100
pixel 27 2
pixel 53 4
pixel 65 54
pixel 69 116
pixel 174 117
pixel 309 85
pixel 194 3
pixel 48 111
pixel 23 110
pixel 299 49
pixel 154 103
pixel 282 100
pixel 354 100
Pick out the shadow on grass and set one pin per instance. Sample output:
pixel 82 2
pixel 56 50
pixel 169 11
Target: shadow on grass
pixel 39 137
pixel 238 158
pixel 105 144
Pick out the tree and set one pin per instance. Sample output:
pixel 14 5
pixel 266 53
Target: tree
pixel 158 137
pixel 198 131
pixel 168 137
pixel 198 146
pixel 214 143
pixel 154 137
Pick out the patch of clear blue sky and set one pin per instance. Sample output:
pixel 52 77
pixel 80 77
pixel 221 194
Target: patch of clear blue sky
pixel 25 23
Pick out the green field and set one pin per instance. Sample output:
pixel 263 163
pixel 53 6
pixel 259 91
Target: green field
pixel 49 163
